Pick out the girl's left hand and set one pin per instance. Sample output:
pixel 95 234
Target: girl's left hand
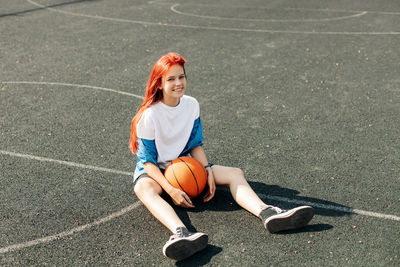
pixel 211 185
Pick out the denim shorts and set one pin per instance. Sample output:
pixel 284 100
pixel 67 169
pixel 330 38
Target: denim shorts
pixel 145 175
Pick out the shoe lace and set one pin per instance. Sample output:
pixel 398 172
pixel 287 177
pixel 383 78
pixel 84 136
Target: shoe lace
pixel 181 232
pixel 278 210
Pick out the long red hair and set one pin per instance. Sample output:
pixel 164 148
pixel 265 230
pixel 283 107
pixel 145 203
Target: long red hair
pixel 154 91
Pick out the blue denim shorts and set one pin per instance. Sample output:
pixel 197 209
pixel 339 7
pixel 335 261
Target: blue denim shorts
pixel 145 175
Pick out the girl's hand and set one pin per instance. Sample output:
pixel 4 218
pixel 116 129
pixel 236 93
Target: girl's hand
pixel 180 198
pixel 211 185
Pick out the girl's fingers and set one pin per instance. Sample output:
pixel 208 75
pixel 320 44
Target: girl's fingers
pixel 210 194
pixel 181 199
pixel 206 196
pixel 211 187
pixel 188 201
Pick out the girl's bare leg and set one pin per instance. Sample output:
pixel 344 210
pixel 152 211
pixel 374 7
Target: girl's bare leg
pixel 149 192
pixel 182 244
pixel 241 191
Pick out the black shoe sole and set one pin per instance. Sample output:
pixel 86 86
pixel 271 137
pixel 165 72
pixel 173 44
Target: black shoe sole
pixel 292 219
pixel 183 248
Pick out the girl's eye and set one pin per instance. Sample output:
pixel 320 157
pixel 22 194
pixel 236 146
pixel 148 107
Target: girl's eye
pixel 182 77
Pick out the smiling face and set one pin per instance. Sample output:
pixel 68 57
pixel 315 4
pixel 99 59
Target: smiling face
pixel 173 85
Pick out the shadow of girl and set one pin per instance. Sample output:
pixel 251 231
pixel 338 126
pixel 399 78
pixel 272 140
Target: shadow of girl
pixel 275 195
pixel 271 194
pixel 289 198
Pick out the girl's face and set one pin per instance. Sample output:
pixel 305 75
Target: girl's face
pixel 173 85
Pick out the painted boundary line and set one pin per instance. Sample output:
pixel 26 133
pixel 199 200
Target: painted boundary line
pixel 125 210
pixel 335 208
pixel 58 236
pixel 160 2
pixel 207 27
pixel 174 9
pixel 74 85
pixel 62 162
pixel 276 198
pixel 50 238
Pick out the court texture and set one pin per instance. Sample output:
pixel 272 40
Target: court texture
pixel 302 95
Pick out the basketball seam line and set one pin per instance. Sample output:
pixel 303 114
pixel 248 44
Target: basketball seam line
pixel 194 176
pixel 176 179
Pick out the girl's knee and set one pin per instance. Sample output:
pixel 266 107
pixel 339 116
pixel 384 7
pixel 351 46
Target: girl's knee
pixel 228 175
pixel 237 173
pixel 137 189
pixel 146 186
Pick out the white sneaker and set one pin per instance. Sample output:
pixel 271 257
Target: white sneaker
pixel 184 244
pixel 280 220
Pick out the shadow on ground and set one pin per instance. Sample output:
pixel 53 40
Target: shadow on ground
pixel 284 198
pixel 275 195
pixel 289 198
pixel 202 258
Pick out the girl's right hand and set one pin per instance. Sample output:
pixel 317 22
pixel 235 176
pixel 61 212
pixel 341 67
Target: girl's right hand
pixel 180 198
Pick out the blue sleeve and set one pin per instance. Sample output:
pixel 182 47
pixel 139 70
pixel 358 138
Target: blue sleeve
pixel 196 137
pixel 146 152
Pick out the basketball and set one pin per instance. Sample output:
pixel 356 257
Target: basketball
pixel 187 174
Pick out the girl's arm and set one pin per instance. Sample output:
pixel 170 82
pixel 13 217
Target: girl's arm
pixel 199 154
pixel 179 197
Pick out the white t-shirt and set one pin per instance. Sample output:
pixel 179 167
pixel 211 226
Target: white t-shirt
pixel 170 127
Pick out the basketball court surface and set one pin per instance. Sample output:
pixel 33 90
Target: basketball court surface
pixel 303 96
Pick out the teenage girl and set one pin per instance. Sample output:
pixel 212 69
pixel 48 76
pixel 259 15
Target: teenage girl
pixel 167 126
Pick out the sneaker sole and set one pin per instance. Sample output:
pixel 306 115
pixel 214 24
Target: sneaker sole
pixel 292 219
pixel 183 248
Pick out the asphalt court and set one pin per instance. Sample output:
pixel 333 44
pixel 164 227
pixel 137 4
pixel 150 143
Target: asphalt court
pixel 304 96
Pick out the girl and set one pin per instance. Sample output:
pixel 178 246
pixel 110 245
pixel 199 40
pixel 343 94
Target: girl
pixel 167 126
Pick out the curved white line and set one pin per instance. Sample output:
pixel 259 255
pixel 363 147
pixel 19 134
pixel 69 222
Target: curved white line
pixel 50 238
pixel 123 211
pixel 173 9
pixel 209 27
pixel 285 8
pixel 74 85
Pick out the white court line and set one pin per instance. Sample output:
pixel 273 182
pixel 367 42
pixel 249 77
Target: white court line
pixel 123 211
pixel 173 9
pixel 50 238
pixel 208 27
pixel 74 85
pixel 63 162
pixel 58 236
pixel 284 8
pixel 336 208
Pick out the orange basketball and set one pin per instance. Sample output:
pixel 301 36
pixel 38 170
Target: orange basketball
pixel 187 174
